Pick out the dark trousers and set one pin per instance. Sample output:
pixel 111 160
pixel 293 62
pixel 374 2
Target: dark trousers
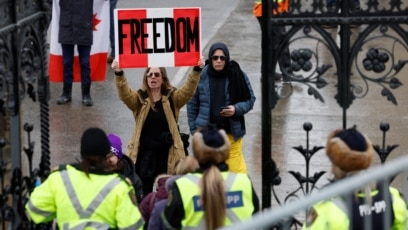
pixel 147 185
pixel 277 34
pixel 112 6
pixel 84 53
pixel 149 164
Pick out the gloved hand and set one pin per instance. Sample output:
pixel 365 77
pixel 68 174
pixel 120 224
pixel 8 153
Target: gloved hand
pixel 200 64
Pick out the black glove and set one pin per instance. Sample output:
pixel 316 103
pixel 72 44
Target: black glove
pixel 197 68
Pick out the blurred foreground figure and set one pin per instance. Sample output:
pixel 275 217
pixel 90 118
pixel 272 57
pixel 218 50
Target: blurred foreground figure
pixel 351 153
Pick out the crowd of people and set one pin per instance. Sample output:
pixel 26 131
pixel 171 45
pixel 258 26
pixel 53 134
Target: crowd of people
pixel 137 183
pixel 154 185
pixel 201 192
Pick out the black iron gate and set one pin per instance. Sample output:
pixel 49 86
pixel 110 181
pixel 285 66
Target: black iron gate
pixel 358 63
pixel 23 76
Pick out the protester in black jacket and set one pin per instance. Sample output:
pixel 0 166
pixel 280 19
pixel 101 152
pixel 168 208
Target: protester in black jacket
pixel 124 165
pixel 76 31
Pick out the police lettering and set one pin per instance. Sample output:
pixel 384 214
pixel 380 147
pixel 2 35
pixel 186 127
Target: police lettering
pixel 179 35
pixel 378 207
pixel 234 200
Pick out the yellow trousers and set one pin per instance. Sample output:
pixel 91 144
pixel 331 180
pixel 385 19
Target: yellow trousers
pixel 236 161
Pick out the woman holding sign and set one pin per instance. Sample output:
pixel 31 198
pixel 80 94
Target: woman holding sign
pixel 155 145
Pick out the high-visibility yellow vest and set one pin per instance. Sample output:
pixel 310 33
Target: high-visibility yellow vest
pixel 238 189
pixel 283 6
pixel 332 214
pixel 81 202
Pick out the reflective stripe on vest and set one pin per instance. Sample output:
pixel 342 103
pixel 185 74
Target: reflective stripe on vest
pixel 86 213
pixel 101 226
pixel 81 226
pixel 229 181
pixel 37 211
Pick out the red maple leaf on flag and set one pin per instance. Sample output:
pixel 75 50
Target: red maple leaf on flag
pixel 95 22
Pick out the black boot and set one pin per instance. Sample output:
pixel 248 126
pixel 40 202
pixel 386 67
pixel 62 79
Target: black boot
pixel 66 94
pixel 86 95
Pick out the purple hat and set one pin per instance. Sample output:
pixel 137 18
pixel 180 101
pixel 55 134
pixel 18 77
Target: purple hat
pixel 116 145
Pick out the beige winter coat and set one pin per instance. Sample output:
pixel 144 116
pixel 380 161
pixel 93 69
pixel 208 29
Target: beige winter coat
pixel 140 108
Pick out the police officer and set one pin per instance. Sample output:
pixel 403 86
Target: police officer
pixel 351 152
pixel 84 196
pixel 211 197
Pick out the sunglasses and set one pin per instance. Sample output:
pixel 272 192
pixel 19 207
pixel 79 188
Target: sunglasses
pixel 156 74
pixel 215 58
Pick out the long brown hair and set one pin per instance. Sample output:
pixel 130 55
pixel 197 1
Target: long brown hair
pixel 164 87
pixel 212 183
pixel 213 197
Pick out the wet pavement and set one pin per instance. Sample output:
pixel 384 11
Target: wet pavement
pixel 233 23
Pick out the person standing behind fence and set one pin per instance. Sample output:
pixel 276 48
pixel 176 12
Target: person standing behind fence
pixel 118 162
pixel 212 197
pixel 155 145
pixel 277 35
pixel 350 153
pixel 224 95
pixel 85 195
pixel 76 29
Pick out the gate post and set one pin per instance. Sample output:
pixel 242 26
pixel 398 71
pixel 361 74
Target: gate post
pixel 23 75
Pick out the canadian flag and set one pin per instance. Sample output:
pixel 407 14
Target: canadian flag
pixel 99 50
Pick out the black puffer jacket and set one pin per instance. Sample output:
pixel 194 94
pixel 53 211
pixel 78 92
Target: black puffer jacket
pixel 76 22
pixel 130 172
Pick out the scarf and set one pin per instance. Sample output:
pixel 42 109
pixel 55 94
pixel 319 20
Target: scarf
pixel 238 87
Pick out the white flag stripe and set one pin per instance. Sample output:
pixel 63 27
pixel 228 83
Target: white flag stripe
pixel 55 47
pixel 164 59
pixel 100 36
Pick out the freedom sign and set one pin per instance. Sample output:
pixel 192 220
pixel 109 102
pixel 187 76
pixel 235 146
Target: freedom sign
pixel 166 37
